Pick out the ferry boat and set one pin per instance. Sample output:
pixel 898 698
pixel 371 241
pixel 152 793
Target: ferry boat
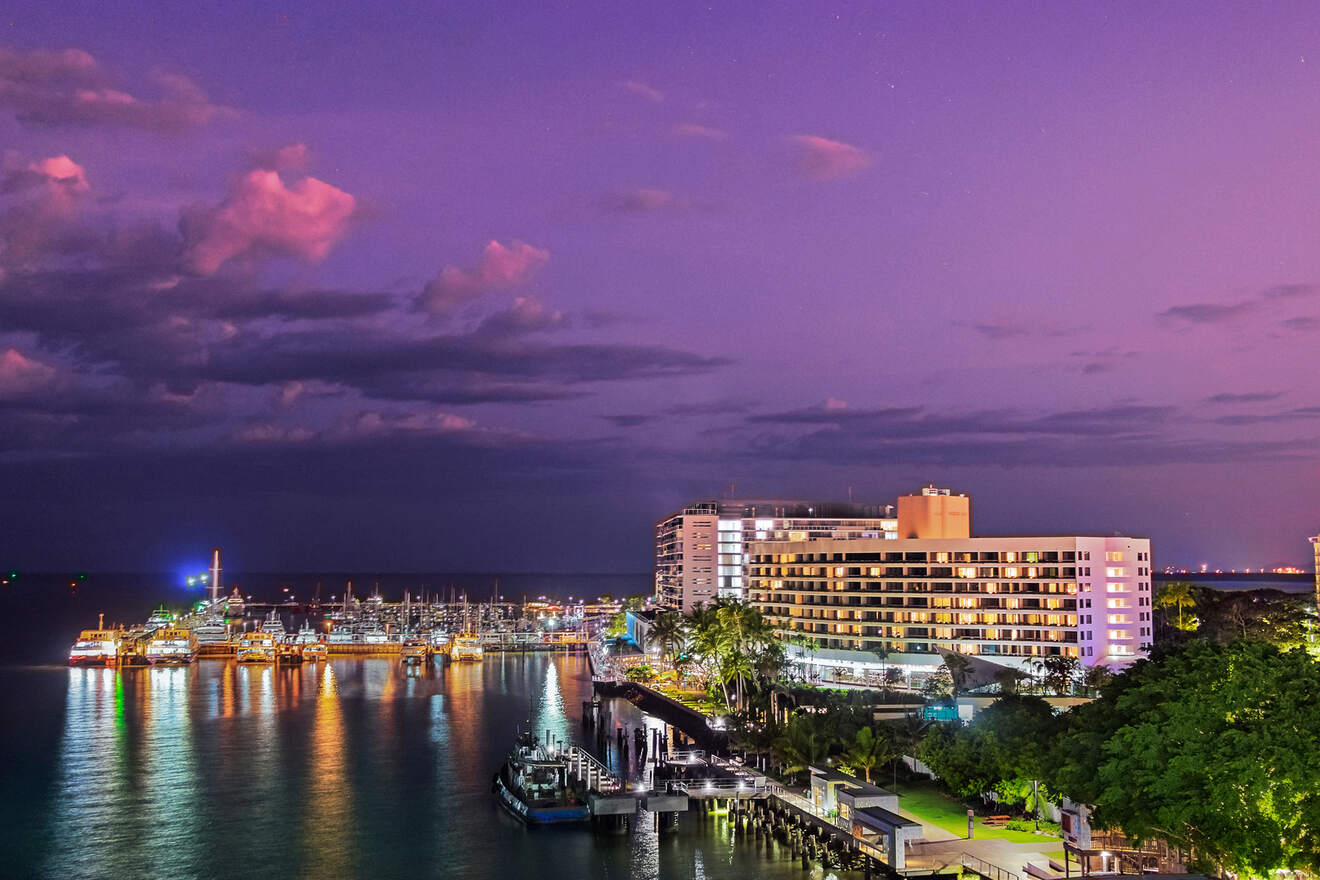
pixel 534 786
pixel 96 647
pixel 309 643
pixel 256 647
pixel 415 651
pixel 465 647
pixel 171 647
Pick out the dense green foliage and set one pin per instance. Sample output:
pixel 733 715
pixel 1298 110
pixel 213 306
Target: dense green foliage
pixel 1003 751
pixel 1211 747
pixel 1185 611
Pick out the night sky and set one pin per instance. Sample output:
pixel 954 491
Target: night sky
pixel 494 286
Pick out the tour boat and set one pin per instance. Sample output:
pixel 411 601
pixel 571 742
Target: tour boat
pixel 466 646
pixel 171 647
pixel 415 651
pixel 534 786
pixel 309 643
pixel 96 647
pixel 256 647
pixel 289 651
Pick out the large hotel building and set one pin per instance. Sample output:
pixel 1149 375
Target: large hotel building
pixel 925 584
pixel 701 550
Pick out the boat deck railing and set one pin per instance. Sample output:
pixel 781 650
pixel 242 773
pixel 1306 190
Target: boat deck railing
pixel 590 770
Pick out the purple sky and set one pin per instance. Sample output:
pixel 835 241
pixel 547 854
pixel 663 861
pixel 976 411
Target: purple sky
pixel 494 287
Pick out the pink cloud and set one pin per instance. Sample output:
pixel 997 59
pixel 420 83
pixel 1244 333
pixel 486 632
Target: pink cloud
pixel 44 198
pixel 650 93
pixel 373 423
pixel 71 86
pixel 261 213
pixel 21 375
pixel 697 130
pixel 834 404
pixel 527 315
pixel 57 181
pixel 825 159
pixel 499 267
pixel 271 433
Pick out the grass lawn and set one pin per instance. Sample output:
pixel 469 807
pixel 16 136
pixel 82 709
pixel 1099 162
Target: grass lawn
pixel 937 808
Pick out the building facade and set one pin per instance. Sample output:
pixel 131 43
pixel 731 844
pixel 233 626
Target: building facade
pixel 1010 600
pixel 1315 545
pixel 701 550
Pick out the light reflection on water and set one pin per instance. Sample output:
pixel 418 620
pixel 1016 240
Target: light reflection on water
pixel 352 768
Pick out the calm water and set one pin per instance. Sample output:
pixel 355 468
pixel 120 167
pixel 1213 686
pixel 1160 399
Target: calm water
pixel 355 768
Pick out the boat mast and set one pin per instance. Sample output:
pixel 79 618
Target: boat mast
pixel 215 576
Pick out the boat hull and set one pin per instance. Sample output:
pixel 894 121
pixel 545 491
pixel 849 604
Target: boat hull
pixel 565 814
pixel 94 660
pixel 171 659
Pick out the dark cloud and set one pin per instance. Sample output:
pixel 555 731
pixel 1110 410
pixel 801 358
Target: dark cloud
pixel 1290 291
pixel 1304 323
pixel 1298 414
pixel 644 200
pixel 629 421
pixel 69 86
pixel 1208 313
pixel 999 331
pixel 1244 397
pixel 711 408
pixel 1225 313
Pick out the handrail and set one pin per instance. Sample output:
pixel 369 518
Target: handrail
pixel 719 786
pixel 985 869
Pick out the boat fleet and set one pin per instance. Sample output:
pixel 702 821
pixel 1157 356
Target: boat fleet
pixel 417 631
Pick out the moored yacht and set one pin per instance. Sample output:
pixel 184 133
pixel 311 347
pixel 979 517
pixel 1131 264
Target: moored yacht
pixel 534 786
pixel 274 625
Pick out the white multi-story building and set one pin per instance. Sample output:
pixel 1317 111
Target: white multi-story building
pixel 701 551
pixel 1010 600
pixel 1315 545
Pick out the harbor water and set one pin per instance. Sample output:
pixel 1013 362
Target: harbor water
pixel 352 768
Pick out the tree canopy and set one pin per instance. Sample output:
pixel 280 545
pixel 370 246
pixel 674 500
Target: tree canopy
pixel 1211 747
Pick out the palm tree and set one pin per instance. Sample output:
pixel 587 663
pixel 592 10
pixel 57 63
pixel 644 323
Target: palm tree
pixel 1059 672
pixel 1177 596
pixel 799 746
pixel 869 750
pixel 668 633
pixel 882 655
